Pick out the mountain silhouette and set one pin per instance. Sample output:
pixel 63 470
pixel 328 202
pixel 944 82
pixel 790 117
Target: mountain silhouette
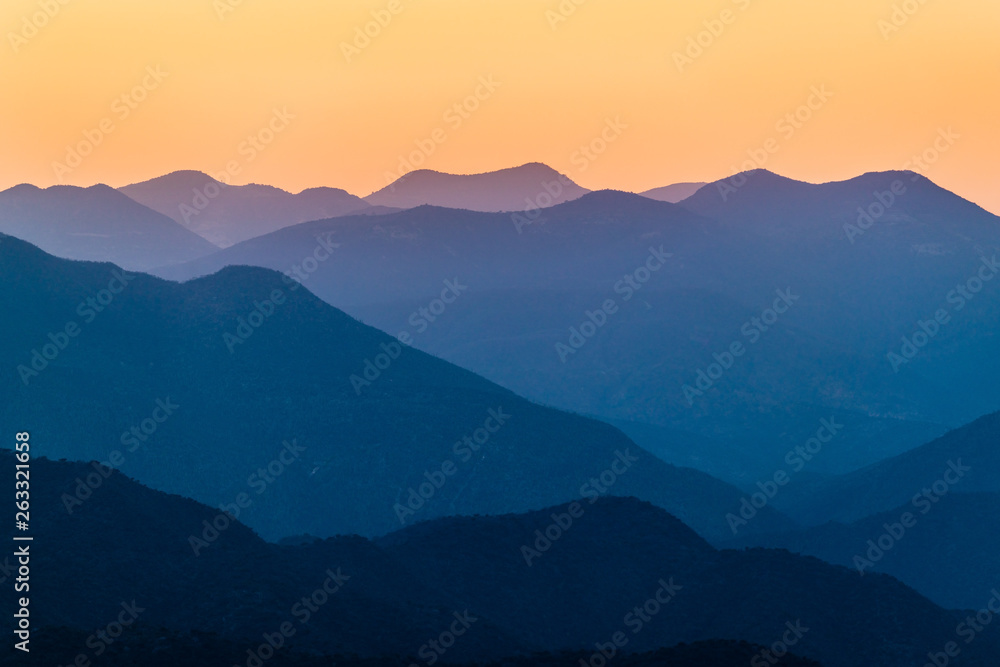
pixel 532 185
pixel 618 554
pixel 210 384
pixel 97 224
pixel 674 193
pixel 967 455
pixel 946 549
pixel 227 214
pixel 534 279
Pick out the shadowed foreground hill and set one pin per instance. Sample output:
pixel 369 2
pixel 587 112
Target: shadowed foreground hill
pixel 621 566
pixel 146 647
pixel 238 388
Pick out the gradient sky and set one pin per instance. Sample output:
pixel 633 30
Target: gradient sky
pixel 559 83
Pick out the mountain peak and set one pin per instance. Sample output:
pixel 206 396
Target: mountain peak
pixel 509 189
pixel 21 189
pixel 184 178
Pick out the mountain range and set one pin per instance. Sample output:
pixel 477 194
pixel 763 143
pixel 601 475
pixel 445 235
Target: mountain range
pixel 248 366
pixel 536 285
pixel 621 576
pixel 227 214
pixel 530 186
pixel 97 224
pixel 773 396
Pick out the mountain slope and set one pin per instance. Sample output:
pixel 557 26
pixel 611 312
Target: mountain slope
pixel 946 548
pixel 754 595
pixel 227 214
pixel 244 383
pixel 392 596
pixel 965 460
pixel 97 223
pixel 674 193
pixel 532 282
pixel 532 185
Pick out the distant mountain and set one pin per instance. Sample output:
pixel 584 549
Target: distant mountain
pixel 529 186
pixel 720 268
pixel 620 566
pixel 97 224
pixel 946 548
pixel 673 193
pixel 227 214
pixel 967 459
pixel 207 386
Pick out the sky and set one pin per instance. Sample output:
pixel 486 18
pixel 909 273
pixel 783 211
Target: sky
pixel 623 94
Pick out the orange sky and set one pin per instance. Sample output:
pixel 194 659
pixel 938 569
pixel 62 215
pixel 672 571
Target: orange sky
pixel 356 115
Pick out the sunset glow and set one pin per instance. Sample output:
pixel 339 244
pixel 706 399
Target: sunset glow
pixel 200 77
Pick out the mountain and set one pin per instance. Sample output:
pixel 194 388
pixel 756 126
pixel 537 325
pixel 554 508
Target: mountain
pixel 673 193
pixel 164 648
pixel 97 224
pixel 138 544
pixel 965 460
pixel 820 352
pixel 529 186
pixel 620 566
pixel 227 214
pixel 945 548
pixel 245 385
pixel 755 595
